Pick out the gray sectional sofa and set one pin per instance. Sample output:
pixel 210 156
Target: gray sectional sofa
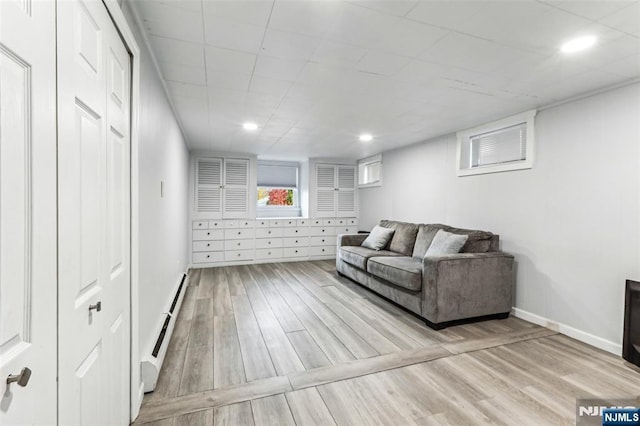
pixel 474 284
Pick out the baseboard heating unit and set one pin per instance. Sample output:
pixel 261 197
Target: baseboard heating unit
pixel 152 362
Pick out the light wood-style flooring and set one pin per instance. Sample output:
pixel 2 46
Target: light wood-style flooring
pixel 294 344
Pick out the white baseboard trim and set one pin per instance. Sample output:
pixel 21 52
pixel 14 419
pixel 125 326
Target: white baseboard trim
pixel 567 330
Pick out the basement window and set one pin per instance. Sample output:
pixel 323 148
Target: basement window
pixel 500 146
pixel 277 194
pixel 370 171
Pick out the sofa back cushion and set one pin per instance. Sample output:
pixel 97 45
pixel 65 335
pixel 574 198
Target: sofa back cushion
pixel 424 238
pixel 404 237
pixel 478 241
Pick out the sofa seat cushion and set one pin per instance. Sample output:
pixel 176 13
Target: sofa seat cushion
pixel 403 271
pixel 358 256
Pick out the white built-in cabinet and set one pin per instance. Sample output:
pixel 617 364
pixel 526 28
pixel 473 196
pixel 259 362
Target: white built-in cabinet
pixel 222 187
pixel 335 190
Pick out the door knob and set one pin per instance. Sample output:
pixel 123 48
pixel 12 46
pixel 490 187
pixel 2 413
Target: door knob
pixel 21 379
pixel 97 307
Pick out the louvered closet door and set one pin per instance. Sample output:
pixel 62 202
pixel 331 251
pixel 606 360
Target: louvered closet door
pixel 236 188
pixel 325 190
pixel 209 187
pixel 346 191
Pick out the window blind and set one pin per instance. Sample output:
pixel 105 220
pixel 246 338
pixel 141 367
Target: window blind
pixel 278 176
pixel 496 147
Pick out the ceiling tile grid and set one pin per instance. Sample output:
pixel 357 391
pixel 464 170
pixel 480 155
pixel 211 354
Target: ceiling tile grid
pixel 313 74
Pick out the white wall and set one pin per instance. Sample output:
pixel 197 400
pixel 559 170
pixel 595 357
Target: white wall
pixel 573 221
pixel 164 221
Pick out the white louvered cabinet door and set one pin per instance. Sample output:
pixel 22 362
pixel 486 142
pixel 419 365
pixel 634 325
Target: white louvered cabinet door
pixel 208 197
pixel 346 191
pixel 325 190
pixel 236 188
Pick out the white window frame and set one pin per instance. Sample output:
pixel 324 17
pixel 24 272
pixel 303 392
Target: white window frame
pixel 281 211
pixel 367 161
pixel 465 136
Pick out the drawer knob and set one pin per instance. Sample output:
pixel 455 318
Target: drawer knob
pixel 269 253
pixel 296 251
pixel 246 223
pixel 208 245
pixel 269 242
pixel 208 256
pixel 238 244
pixel 296 241
pixel 269 232
pixel 323 240
pixel 238 254
pixel 323 250
pixel 208 233
pixel 323 230
pixel 239 232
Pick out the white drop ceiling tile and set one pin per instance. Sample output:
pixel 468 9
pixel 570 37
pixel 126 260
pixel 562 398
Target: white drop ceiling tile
pixel 172 22
pixel 455 15
pixel 227 96
pixel 409 38
pixel 472 53
pixel 360 26
pixel 421 72
pixel 628 67
pixel 382 63
pixel 626 20
pixel 177 51
pixel 396 7
pixel 312 18
pixel 334 53
pixel 590 9
pixel 271 86
pixel 147 6
pixel 233 35
pixel 266 101
pixel 182 73
pixel 276 68
pixel 228 80
pixel 288 45
pixel 218 59
pixel 245 11
pixel 187 90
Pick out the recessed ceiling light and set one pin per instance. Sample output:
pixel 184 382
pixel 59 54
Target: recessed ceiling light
pixel 578 44
pixel 250 126
pixel 365 137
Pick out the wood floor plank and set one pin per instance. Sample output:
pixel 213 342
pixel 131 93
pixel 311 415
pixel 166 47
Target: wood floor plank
pixel 272 411
pixel 352 340
pixel 198 418
pixel 255 356
pixel 234 415
pixel 233 280
pixel 201 333
pixel 361 367
pixel 254 292
pixel 197 374
pixel 346 406
pixel 288 320
pixel 163 422
pixel 308 408
pixel 228 368
pixel 504 339
pixel 308 350
pixel 284 357
pixel 205 284
pixel 220 294
pixel 214 398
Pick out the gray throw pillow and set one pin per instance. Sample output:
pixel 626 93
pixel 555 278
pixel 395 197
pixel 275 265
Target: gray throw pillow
pixel 446 243
pixel 378 238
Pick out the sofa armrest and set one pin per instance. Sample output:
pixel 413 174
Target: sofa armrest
pixel 466 285
pixel 351 239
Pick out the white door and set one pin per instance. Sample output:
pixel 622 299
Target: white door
pixel 236 188
pixel 325 190
pixel 346 191
pixel 208 194
pixel 27 211
pixel 93 217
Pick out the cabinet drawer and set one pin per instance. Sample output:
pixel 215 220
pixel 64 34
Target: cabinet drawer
pixel 328 222
pixel 268 232
pixel 322 251
pixel 238 234
pixel 238 255
pixel 215 224
pixel 238 244
pixel 346 230
pixel 208 234
pixel 199 224
pixel 262 223
pixel 264 243
pixel 290 222
pixel 274 223
pixel 269 253
pixel 296 232
pixel 327 240
pixel 206 257
pixel 325 230
pixel 296 242
pixel 208 245
pixel 294 251
pixel 239 223
pixel 303 222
